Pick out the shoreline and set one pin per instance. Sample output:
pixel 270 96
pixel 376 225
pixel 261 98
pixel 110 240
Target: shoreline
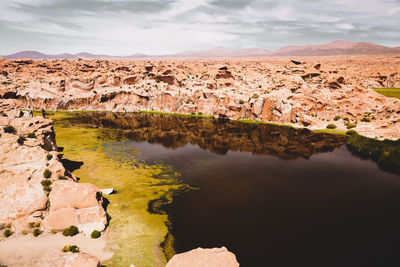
pixel 337 131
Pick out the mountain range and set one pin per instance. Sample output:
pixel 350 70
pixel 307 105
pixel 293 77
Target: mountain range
pixel 329 49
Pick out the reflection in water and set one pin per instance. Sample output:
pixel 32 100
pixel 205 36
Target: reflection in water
pixel 213 135
pixel 385 153
pixel 293 206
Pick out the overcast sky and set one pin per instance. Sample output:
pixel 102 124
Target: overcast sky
pixel 124 27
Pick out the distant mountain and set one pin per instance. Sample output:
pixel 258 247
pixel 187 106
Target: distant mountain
pixel 84 55
pixel 336 48
pixel 329 49
pixel 224 52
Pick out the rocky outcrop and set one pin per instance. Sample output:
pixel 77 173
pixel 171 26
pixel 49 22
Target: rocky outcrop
pixel 215 257
pixel 35 186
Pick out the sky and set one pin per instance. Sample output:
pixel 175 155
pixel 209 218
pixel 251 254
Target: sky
pixel 156 27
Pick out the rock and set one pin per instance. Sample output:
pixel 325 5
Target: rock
pixel 56 258
pixel 75 204
pixel 215 257
pixel 295 62
pixel 107 191
pixel 68 194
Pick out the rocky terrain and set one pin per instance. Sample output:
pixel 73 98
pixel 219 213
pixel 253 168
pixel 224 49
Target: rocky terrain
pixel 304 92
pixel 37 194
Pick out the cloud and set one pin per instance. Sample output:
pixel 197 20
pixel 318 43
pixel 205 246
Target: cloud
pixel 123 27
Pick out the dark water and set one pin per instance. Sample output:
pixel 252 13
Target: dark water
pixel 275 196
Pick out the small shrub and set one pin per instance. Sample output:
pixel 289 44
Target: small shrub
pixel 7 233
pixel 351 125
pixel 31 135
pixel 47 173
pixel 36 224
pixel 71 248
pixel 241 102
pixel 95 234
pixel 37 232
pixel 24 232
pixel 255 96
pixel 61 177
pixel 21 140
pixel 336 118
pixel 31 224
pixel 46 182
pixel 346 119
pixel 366 119
pixel 331 126
pixel 49 156
pixel 351 132
pixel 71 231
pixel 9 129
pixel 47 188
pixel 53 232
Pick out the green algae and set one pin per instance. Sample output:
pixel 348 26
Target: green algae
pixel 332 131
pixel 388 92
pixel 134 234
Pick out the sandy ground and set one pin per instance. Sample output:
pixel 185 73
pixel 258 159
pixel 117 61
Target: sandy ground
pixel 26 250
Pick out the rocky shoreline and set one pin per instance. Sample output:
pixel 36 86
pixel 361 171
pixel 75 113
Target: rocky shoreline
pixel 38 195
pixel 41 199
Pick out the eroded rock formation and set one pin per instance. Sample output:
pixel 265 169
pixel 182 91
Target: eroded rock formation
pixel 308 94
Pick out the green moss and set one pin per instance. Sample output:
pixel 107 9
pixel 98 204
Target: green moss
pixel 389 92
pixel 134 234
pixel 331 131
pixel 258 122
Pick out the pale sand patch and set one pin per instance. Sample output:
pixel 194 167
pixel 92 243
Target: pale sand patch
pixel 20 250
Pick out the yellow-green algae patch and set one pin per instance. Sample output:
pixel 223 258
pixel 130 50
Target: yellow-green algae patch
pixel 134 234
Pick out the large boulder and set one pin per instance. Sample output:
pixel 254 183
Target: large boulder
pixel 214 257
pixel 59 259
pixel 75 204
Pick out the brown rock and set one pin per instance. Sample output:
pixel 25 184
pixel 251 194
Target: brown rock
pixel 215 257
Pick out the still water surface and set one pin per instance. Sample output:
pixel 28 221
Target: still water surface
pixel 275 196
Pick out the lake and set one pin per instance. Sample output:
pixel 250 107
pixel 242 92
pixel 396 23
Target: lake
pixel 273 195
